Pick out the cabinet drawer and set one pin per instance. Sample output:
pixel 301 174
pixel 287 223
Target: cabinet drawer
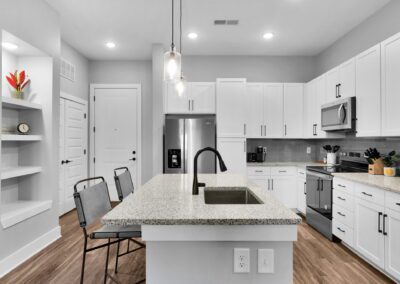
pixel 343 232
pixel 343 215
pixel 257 171
pixel 392 201
pixel 369 193
pixel 301 172
pixel 343 184
pixel 283 171
pixel 343 199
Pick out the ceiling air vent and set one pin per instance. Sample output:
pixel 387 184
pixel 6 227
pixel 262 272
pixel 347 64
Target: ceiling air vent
pixel 226 22
pixel 67 70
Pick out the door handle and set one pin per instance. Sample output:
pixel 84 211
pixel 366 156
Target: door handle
pixel 189 104
pixel 379 222
pixel 398 204
pixel 269 184
pixel 133 152
pixel 340 229
pixel 341 214
pixel 261 130
pixel 67 161
pixel 339 86
pixel 384 224
pixel 133 159
pixel 272 181
pixel 341 198
pixel 265 130
pixel 62 162
pixel 305 188
pixel 285 130
pixel 370 195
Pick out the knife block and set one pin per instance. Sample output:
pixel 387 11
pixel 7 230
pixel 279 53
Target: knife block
pixel 376 168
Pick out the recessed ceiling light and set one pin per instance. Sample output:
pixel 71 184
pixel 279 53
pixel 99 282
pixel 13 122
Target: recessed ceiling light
pixel 268 35
pixel 9 45
pixel 192 35
pixel 110 44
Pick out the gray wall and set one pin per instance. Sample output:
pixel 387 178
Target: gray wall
pixel 254 68
pixel 375 29
pixel 131 72
pixel 80 87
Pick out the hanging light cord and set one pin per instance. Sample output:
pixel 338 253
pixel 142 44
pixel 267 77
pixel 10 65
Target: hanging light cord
pixel 180 27
pixel 172 41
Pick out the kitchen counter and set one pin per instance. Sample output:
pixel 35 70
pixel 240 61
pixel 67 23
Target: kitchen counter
pixel 285 164
pixel 168 200
pixel 380 181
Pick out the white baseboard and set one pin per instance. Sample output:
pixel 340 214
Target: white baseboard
pixel 12 261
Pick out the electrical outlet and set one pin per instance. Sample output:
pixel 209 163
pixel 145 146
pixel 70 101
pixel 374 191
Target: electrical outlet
pixel 309 150
pixel 265 261
pixel 241 260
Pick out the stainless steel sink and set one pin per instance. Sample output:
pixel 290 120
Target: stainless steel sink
pixel 230 195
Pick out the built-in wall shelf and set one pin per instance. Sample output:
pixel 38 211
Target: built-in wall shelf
pixel 13 172
pixel 17 137
pixel 18 211
pixel 12 103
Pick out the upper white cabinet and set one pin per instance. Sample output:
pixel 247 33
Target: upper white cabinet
pixel 255 110
pixel 198 97
pixel 293 110
pixel 273 110
pixel 341 81
pixel 368 92
pixel 390 49
pixel 231 107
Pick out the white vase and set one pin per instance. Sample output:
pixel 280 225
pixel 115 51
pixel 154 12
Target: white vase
pixel 331 159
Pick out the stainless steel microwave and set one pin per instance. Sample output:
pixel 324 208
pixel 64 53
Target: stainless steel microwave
pixel 339 115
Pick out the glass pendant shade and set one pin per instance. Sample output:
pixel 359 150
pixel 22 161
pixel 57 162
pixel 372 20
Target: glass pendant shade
pixel 172 65
pixel 180 86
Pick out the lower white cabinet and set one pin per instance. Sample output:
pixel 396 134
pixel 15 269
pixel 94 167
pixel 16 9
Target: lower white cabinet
pixel 233 151
pixel 368 228
pixel 392 242
pixel 301 195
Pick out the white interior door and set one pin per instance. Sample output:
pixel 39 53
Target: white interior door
pixel 62 158
pixel 117 133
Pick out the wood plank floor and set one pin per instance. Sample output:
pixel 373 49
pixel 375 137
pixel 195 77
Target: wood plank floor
pixel 316 260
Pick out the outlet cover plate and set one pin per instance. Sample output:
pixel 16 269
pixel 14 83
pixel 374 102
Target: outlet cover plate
pixel 265 261
pixel 309 150
pixel 241 260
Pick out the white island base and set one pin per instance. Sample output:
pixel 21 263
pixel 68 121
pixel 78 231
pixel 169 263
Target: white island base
pixel 204 253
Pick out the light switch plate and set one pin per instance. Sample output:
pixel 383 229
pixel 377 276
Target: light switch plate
pixel 265 261
pixel 241 260
pixel 309 150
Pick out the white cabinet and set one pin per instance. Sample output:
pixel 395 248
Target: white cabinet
pixel 368 223
pixel 293 110
pixel 230 107
pixel 392 242
pixel 368 92
pixel 233 151
pixel 255 110
pixel 198 97
pixel 341 81
pixel 301 192
pixel 390 50
pixel 273 110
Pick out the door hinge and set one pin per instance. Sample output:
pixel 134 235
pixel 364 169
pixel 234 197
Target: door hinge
pixel 84 151
pixel 84 115
pixel 94 98
pixel 94 129
pixel 94 160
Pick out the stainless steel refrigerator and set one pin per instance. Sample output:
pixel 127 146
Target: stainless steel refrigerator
pixel 184 135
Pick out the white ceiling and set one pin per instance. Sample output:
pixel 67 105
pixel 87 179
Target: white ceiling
pixel 302 27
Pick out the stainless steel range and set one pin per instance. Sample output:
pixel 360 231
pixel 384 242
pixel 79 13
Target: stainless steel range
pixel 319 190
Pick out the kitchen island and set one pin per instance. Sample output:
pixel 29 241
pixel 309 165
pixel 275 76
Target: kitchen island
pixel 189 241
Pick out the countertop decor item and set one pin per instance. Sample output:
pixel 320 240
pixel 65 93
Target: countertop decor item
pixel 375 161
pixel 390 161
pixel 18 82
pixel 331 157
pixel 23 128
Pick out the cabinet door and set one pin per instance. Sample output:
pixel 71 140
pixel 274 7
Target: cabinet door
pixel 175 103
pixel 390 49
pixel 392 243
pixel 309 106
pixel 347 80
pixel 230 107
pixel 233 152
pixel 368 92
pixel 293 110
pixel 261 181
pixel 254 110
pixel 332 82
pixel 301 195
pixel 284 189
pixel 319 99
pixel 369 239
pixel 202 96
pixel 273 110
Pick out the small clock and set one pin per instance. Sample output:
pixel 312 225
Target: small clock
pixel 23 128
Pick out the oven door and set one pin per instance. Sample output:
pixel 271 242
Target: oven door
pixel 319 193
pixel 338 115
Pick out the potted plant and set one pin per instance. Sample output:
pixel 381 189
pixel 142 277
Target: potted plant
pixel 18 82
pixel 389 161
pixel 375 161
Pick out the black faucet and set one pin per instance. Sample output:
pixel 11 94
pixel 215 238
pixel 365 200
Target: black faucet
pixel 196 183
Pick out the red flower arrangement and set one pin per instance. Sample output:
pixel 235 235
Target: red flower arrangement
pixel 18 82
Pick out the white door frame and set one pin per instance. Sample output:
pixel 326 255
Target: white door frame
pixel 93 87
pixel 83 102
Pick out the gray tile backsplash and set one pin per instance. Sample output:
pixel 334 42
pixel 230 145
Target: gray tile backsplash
pixel 295 150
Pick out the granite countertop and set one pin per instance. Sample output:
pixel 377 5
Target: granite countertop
pixel 168 200
pixel 285 164
pixel 380 181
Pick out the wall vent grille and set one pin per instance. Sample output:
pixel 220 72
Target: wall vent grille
pixel 67 70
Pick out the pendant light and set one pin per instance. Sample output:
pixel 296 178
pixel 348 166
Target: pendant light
pixel 180 85
pixel 172 58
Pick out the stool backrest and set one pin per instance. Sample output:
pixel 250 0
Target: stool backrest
pixel 123 183
pixel 92 202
